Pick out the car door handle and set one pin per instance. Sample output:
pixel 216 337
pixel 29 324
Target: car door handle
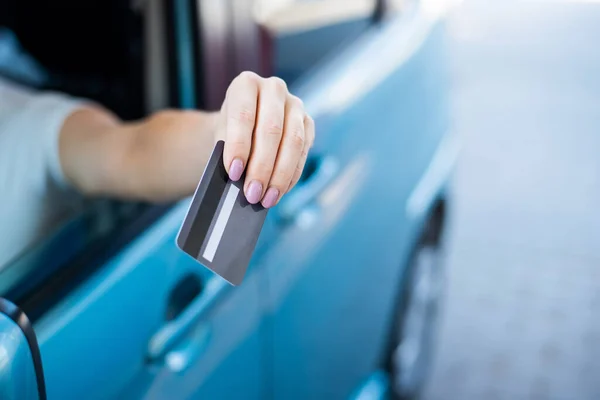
pixel 321 172
pixel 180 341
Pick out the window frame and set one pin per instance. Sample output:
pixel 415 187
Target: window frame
pixel 37 284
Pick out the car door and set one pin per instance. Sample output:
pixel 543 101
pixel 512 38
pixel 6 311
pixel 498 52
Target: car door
pixel 146 322
pixel 377 97
pixel 119 311
pixel 212 349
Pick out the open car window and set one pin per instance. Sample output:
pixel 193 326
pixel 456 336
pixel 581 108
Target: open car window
pixel 110 70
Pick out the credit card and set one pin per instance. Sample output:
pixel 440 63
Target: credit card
pixel 221 228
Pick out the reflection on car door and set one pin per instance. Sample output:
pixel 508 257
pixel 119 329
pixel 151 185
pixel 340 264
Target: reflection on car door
pixel 334 272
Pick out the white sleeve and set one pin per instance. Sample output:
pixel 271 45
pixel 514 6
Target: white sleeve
pixel 30 123
pixel 34 195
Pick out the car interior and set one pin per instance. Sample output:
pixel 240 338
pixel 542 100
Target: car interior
pixel 96 49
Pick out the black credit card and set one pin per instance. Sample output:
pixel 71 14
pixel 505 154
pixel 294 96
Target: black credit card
pixel 221 228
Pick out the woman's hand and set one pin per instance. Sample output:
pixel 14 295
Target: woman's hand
pixel 266 131
pixel 267 134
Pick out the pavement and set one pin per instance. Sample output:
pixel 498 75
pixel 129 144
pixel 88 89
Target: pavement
pixel 521 318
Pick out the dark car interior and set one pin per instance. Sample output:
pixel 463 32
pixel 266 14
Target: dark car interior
pixel 90 49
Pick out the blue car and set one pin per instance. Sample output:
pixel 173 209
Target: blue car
pixel 341 297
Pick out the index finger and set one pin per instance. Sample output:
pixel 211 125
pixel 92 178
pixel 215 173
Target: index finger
pixel 241 105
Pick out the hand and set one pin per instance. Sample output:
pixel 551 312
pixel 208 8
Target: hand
pixel 267 133
pixel 161 158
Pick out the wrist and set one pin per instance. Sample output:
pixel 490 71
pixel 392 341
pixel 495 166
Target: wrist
pixel 168 153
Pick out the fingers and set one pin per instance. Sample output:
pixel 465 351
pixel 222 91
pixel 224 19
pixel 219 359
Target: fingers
pixel 290 151
pixel 267 137
pixel 240 116
pixel 267 134
pixel 309 133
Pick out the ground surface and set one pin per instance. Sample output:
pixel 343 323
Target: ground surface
pixel 522 316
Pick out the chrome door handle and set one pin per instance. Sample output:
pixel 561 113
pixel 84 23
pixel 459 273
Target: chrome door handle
pixel 171 343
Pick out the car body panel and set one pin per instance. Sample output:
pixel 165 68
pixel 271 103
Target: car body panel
pixel 108 323
pixel 376 387
pixel 381 114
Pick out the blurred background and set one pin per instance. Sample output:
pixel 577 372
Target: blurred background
pixel 522 255
pixel 520 318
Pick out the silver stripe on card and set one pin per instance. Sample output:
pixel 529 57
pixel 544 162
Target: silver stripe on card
pixel 219 228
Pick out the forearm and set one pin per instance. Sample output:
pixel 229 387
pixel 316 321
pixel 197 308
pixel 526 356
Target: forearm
pixel 156 159
pixel 267 136
pixel 167 156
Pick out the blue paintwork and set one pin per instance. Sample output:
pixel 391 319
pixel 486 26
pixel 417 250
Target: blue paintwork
pixel 311 318
pixel 119 310
pixel 376 387
pixel 332 298
pixel 17 372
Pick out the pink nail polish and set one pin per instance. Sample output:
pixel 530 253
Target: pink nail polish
pixel 236 169
pixel 254 192
pixel 270 198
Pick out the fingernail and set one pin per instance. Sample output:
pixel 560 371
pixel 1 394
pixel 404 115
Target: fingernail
pixel 270 198
pixel 254 192
pixel 236 169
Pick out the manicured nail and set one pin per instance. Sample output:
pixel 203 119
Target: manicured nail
pixel 254 192
pixel 270 198
pixel 236 169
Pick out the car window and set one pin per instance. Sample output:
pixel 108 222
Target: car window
pixel 304 32
pixel 107 72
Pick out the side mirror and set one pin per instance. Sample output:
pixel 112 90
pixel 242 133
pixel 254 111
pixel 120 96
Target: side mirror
pixel 21 373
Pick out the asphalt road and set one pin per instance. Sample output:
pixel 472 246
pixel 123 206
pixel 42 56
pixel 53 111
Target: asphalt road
pixel 522 314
